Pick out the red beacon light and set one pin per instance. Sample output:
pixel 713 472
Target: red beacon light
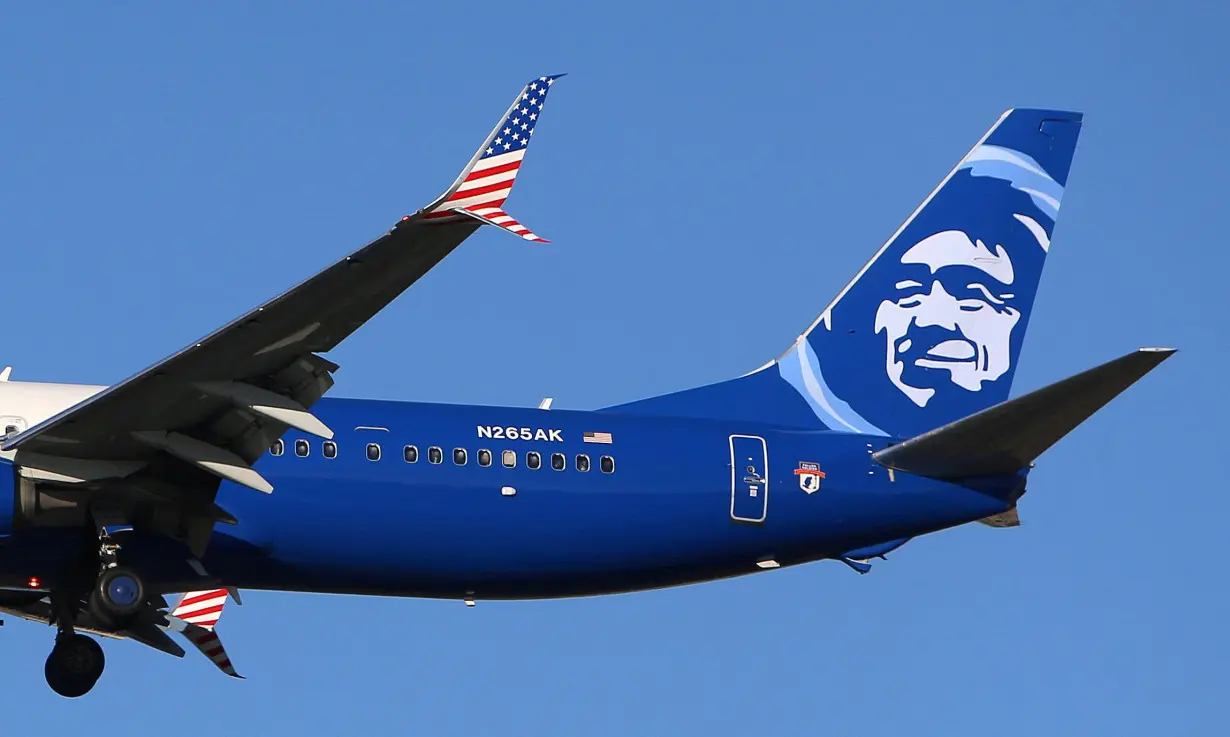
pixel 34 583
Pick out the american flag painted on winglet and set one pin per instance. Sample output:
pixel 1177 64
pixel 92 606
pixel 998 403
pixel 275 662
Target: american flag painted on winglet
pixel 202 608
pixel 486 183
pixel 496 216
pixel 208 642
pixel 598 437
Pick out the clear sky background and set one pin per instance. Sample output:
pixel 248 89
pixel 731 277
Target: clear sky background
pixel 711 174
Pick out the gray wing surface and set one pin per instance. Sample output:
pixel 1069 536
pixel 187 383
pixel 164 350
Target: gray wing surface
pixel 271 348
pixel 169 434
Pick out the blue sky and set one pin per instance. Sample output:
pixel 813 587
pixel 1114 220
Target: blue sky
pixel 166 168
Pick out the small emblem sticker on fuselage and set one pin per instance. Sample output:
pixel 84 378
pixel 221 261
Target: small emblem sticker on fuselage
pixel 810 476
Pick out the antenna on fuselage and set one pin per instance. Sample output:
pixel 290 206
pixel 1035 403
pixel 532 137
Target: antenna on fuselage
pixel 544 404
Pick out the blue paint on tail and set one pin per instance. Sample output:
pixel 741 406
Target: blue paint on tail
pixel 931 329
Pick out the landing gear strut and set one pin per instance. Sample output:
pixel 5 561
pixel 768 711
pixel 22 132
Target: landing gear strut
pixel 114 597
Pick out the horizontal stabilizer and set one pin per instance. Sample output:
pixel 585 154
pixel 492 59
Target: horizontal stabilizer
pixel 1011 518
pixel 1007 437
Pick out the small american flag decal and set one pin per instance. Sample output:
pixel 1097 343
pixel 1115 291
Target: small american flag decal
pixel 598 437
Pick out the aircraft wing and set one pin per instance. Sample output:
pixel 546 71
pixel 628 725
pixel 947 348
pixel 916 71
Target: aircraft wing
pixel 194 617
pixel 216 406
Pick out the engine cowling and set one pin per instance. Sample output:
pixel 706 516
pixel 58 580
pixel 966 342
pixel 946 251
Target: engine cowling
pixel 27 502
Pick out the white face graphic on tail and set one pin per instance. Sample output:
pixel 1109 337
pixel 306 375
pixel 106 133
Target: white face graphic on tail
pixel 950 323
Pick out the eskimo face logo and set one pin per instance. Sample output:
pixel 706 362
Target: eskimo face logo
pixel 928 331
pixel 950 318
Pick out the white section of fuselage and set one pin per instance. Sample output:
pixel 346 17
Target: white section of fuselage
pixel 27 403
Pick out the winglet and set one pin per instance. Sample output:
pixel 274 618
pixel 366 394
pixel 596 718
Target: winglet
pixel 210 645
pixel 203 608
pixel 195 617
pixel 482 187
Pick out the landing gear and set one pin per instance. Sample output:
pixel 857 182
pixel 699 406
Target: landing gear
pixel 117 597
pixel 74 665
pixel 113 595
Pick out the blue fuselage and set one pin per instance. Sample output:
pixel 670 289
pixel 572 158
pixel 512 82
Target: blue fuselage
pixel 679 501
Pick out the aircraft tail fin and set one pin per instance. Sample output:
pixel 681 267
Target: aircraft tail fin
pixel 1006 438
pixel 482 187
pixel 930 329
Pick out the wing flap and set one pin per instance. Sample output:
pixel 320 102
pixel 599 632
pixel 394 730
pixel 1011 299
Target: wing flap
pixel 218 461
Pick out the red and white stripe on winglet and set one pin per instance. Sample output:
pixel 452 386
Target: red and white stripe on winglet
pixel 208 642
pixel 202 608
pixel 497 217
pixel 487 181
pixel 200 611
pixel 488 184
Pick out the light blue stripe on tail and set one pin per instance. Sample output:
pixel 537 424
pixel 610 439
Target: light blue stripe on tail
pixel 930 330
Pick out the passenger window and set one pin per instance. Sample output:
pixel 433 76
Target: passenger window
pixel 10 429
pixel 373 451
pixel 410 453
pixel 435 455
pixel 277 448
pixel 533 460
pixel 301 448
pixel 459 456
pixel 330 449
pixel 510 459
pixel 558 461
pixel 608 464
pixel 484 457
pixel 582 462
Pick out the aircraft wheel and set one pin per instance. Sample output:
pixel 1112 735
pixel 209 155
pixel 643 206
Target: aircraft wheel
pixel 74 665
pixel 117 597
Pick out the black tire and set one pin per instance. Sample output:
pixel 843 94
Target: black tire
pixel 118 596
pixel 74 665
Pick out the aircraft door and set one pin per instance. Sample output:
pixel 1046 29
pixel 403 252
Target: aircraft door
pixel 749 478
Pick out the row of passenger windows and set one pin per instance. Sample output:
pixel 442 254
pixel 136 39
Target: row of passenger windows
pixel 435 455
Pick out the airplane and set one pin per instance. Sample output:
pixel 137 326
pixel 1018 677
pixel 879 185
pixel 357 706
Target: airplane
pixel 224 467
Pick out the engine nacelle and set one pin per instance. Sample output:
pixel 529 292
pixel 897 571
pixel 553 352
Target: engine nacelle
pixel 40 505
pixel 28 501
pixel 41 522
